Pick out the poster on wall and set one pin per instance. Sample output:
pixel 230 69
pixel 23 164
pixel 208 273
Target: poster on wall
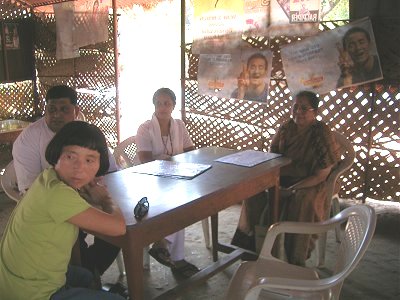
pixel 302 11
pixel 16 50
pixel 243 74
pixel 95 29
pixel 256 16
pixel 11 36
pixel 286 19
pixel 217 25
pixel 338 58
pixel 80 24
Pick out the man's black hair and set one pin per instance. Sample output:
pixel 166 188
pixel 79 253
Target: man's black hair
pixel 354 30
pixel 62 91
pixel 258 55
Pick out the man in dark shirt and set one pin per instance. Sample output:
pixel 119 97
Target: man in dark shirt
pixel 356 63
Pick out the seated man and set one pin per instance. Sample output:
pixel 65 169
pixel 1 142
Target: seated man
pixel 29 161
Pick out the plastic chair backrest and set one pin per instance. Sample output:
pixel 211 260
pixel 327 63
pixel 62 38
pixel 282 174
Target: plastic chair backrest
pixel 358 233
pixel 81 116
pixel 125 153
pixel 9 182
pixel 348 154
pixel 275 278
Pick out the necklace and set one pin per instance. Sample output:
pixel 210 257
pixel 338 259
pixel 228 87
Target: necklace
pixel 165 143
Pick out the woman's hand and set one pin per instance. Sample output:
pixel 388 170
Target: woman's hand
pixel 96 193
pixel 108 220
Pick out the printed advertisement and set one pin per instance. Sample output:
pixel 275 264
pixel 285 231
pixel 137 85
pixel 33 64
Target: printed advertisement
pixel 217 25
pixel 11 36
pixel 244 74
pixel 342 57
pixel 304 11
pixel 80 24
pixel 281 21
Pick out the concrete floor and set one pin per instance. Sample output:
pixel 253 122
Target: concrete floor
pixel 376 277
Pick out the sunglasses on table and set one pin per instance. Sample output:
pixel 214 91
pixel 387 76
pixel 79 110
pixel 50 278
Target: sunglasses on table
pixel 141 208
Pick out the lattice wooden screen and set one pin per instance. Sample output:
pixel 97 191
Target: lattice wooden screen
pixel 367 115
pixel 16 99
pixel 92 74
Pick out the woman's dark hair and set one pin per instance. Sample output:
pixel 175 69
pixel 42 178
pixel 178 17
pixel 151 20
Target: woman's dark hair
pixel 79 133
pixel 165 91
pixel 312 98
pixel 62 91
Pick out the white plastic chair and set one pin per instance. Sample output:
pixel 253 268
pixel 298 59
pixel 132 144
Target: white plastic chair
pixel 81 116
pixel 124 155
pixel 271 278
pixel 9 182
pixel 348 155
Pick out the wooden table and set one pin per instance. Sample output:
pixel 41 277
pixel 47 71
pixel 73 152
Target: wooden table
pixel 178 203
pixel 10 129
pixel 9 137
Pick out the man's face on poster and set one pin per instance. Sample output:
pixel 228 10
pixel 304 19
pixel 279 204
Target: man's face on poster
pixel 257 69
pixel 357 45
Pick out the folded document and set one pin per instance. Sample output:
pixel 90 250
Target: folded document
pixel 248 158
pixel 173 169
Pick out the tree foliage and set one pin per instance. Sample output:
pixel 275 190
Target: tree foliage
pixel 334 10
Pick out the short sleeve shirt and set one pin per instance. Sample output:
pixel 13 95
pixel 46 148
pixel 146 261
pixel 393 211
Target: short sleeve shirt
pixel 36 246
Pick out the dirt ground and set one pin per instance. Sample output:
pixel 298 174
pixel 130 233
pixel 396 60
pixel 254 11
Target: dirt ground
pixel 376 277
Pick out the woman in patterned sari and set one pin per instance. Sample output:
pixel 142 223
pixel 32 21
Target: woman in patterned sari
pixel 314 152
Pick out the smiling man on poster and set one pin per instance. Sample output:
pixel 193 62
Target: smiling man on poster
pixel 356 63
pixel 252 81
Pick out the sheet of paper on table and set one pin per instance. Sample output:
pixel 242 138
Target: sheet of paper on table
pixel 248 158
pixel 172 169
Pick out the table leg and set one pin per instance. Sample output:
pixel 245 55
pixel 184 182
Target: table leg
pixel 274 198
pixel 278 248
pixel 133 258
pixel 214 236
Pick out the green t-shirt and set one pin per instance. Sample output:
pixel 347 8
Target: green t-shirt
pixel 36 246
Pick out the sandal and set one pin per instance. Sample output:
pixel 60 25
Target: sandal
pixel 162 256
pixel 184 269
pixel 116 288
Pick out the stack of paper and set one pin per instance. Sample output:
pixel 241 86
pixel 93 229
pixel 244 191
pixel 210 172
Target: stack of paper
pixel 171 169
pixel 248 158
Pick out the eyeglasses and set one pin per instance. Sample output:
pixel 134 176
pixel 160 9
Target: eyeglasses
pixel 141 208
pixel 302 108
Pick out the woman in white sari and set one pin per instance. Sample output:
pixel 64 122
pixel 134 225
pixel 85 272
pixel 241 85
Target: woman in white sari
pixel 160 138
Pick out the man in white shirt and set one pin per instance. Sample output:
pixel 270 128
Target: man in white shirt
pixel 29 161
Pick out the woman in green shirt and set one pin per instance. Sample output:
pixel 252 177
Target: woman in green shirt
pixel 35 249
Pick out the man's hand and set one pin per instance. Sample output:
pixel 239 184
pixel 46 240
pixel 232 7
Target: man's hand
pixel 243 82
pixel 345 64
